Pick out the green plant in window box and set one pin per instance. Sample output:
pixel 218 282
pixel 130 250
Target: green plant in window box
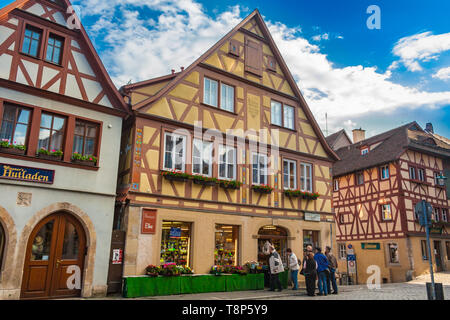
pixel 207 181
pixel 85 160
pixel 175 175
pixel 12 147
pixel 230 184
pixel 50 155
pixel 310 195
pixel 262 188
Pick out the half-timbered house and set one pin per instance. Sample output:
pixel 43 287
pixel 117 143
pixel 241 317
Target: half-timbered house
pixel 219 212
pixel 61 123
pixel 377 184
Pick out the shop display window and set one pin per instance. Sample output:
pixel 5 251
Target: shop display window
pixel 175 243
pixel 276 236
pixel 226 245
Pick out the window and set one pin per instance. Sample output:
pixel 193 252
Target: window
pixel 226 245
pixel 421 175
pixel 385 172
pixel 336 184
pixel 359 178
pixel 176 243
pixel 174 152
pixel 227 97
pixel 271 64
pixel 393 253
pixel 259 165
pixel 234 48
pixel 85 138
pixel 290 174
pixel 288 117
pixel 423 245
pixel 436 215
pixel 54 49
pixel 306 177
pixel 364 151
pixel 202 157
pixel 342 251
pixel 341 219
pixel 412 173
pixel 15 124
pixel 386 213
pixel 227 163
pixel 444 215
pixel 447 247
pixel 210 95
pixel 31 41
pixel 51 133
pixel 276 113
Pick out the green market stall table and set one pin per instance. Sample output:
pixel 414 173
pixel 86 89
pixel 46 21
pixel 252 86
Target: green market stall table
pixel 146 286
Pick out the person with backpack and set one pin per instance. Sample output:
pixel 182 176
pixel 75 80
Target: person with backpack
pixel 293 267
pixel 322 271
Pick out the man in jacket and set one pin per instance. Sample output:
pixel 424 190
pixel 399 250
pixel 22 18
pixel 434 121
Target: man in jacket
pixel 276 267
pixel 293 267
pixel 333 267
pixel 322 270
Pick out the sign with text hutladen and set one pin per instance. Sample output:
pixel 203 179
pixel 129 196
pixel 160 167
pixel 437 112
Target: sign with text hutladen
pixel 13 172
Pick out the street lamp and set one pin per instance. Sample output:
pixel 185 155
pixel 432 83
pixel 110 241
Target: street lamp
pixel 441 179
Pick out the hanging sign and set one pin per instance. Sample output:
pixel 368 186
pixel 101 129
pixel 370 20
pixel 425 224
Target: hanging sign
pixel 13 172
pixel 370 246
pixel 148 223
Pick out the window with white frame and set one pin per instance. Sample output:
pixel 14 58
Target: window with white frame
pixel 227 162
pixel 289 174
pixel 259 166
pixel 342 251
pixel 421 174
pixel 306 177
pixel 227 97
pixel 364 151
pixel 385 172
pixel 210 92
pixel 336 184
pixel 174 151
pixel 276 113
pixel 386 213
pixel 288 117
pixel 202 157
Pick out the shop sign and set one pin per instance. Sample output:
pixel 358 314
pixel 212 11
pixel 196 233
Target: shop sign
pixel 370 246
pixel 117 256
pixel 435 230
pixel 13 172
pixel 175 232
pixel 312 216
pixel 148 223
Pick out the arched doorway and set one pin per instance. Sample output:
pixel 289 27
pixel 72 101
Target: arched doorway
pixel 2 245
pixel 55 252
pixel 275 235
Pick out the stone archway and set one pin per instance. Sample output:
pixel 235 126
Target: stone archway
pixel 91 242
pixel 8 290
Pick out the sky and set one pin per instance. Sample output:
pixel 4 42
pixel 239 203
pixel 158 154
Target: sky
pixel 374 79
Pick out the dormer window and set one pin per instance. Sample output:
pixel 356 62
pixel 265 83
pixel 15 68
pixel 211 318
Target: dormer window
pixel 364 151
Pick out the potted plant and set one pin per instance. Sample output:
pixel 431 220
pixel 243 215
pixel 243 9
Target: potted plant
pixel 310 196
pixel 187 270
pixel 84 160
pixel 262 188
pixel 293 193
pixel 50 155
pixel 170 270
pixel 175 175
pixel 152 270
pixel 230 184
pixel 206 181
pixel 14 148
pixel 216 270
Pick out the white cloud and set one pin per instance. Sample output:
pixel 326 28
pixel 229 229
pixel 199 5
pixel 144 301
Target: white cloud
pixel 320 37
pixel 443 74
pixel 140 48
pixel 420 47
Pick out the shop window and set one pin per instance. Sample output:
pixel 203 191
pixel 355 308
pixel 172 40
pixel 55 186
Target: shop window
pixel 227 163
pixel 342 251
pixel 259 165
pixel 306 177
pixel 310 238
pixel 85 138
pixel 2 245
pixel 54 49
pixel 226 245
pixel 202 157
pixel 276 236
pixel 31 41
pixel 51 133
pixel 174 152
pixel 175 243
pixel 423 245
pixel 290 174
pixel 385 172
pixel 386 213
pixel 393 253
pixel 210 92
pixel 15 124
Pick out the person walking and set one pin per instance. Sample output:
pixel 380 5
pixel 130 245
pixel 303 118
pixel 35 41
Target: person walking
pixel 322 270
pixel 276 267
pixel 293 267
pixel 333 268
pixel 310 273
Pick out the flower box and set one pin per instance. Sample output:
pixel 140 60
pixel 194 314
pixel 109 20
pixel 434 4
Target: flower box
pixel 262 189
pixel 12 150
pixel 84 162
pixel 49 157
pixel 230 184
pixel 202 180
pixel 175 175
pixel 205 183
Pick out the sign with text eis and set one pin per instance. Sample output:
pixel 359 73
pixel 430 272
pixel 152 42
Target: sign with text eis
pixel 13 172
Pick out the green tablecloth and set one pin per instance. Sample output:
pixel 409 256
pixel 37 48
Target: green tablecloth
pixel 284 276
pixel 160 286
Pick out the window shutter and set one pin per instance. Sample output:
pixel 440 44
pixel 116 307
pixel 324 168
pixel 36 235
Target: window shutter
pixel 253 57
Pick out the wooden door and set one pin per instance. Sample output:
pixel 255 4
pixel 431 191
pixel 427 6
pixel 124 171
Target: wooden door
pixel 55 252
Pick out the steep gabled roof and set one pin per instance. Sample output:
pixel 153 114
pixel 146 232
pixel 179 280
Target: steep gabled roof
pixel 145 104
pixel 119 102
pixel 333 138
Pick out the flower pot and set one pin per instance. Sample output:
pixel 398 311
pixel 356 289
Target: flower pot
pixel 204 183
pixel 263 191
pixel 228 186
pixel 49 157
pixel 12 151
pixel 175 178
pixel 84 162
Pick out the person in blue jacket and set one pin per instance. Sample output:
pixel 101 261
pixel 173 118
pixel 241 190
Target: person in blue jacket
pixel 322 271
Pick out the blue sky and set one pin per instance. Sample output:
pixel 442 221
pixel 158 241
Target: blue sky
pixel 374 79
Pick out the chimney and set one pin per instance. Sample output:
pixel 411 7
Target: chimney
pixel 182 68
pixel 429 127
pixel 358 135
